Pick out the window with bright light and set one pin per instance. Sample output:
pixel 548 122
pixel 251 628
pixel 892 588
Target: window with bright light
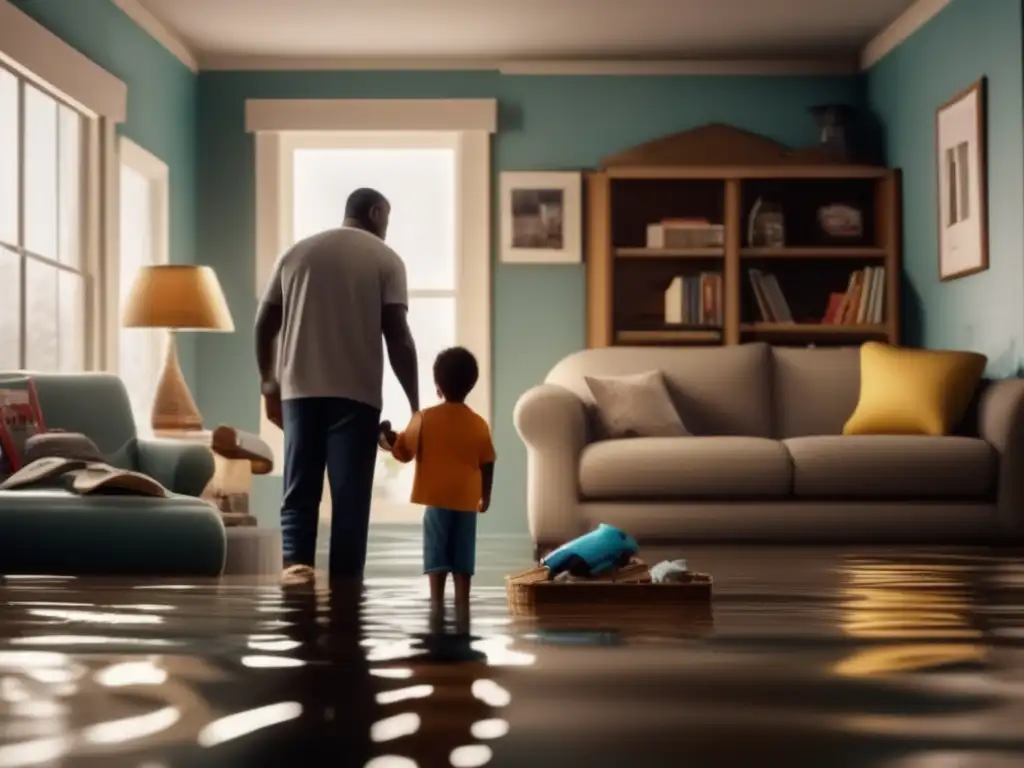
pixel 143 195
pixel 420 185
pixel 43 319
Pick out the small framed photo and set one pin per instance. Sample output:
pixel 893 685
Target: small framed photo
pixel 541 218
pixel 962 184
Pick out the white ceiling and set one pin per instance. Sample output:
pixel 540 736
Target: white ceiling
pixel 528 29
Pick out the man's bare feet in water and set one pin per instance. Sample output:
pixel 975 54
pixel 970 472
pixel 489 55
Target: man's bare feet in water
pixel 298 575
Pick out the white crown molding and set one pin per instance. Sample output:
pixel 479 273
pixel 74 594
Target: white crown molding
pixel 906 24
pixel 159 31
pixel 276 115
pixel 246 62
pixel 580 67
pixel 912 19
pixel 29 48
pixel 669 67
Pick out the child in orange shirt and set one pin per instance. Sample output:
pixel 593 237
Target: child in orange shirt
pixel 455 458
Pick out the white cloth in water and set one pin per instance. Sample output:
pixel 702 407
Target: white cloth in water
pixel 664 570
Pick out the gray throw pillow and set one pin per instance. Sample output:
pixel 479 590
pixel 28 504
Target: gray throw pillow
pixel 637 405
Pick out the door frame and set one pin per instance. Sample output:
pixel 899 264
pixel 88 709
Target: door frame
pixel 282 126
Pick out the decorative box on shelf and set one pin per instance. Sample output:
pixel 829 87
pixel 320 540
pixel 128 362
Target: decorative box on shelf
pixel 685 233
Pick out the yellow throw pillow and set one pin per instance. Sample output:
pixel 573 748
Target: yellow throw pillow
pixel 913 391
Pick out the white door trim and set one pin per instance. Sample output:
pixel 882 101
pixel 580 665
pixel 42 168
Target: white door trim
pixel 371 115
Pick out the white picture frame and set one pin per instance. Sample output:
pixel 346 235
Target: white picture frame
pixel 962 178
pixel 541 217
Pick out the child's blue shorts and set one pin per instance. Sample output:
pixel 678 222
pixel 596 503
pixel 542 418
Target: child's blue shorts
pixel 449 541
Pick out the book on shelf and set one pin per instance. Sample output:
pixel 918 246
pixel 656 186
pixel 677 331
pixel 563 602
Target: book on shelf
pixel 863 301
pixel 694 300
pixel 772 306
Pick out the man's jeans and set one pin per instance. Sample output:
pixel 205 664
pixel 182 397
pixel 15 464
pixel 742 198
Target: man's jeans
pixel 340 436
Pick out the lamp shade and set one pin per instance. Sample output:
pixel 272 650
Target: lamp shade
pixel 180 296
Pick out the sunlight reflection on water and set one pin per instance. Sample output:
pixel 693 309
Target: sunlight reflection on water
pixel 891 661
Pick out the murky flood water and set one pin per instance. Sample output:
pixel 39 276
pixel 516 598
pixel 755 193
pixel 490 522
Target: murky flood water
pixel 900 659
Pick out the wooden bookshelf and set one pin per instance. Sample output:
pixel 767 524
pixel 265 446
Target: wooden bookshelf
pixel 715 174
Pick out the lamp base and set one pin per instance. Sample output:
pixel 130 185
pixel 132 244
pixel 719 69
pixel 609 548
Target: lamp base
pixel 174 410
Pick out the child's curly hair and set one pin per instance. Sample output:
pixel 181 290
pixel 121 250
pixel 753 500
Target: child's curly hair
pixel 456 373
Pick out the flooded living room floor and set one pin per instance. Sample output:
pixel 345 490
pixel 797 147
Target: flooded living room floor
pixel 905 658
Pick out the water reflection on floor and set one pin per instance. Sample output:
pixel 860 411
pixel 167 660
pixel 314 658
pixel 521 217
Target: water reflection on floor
pixel 904 659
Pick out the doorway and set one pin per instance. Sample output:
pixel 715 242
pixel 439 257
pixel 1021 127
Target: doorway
pixel 419 174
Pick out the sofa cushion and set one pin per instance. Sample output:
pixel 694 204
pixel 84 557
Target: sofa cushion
pixel 56 532
pixel 684 468
pixel 637 405
pixel 892 467
pixel 800 376
pixel 913 391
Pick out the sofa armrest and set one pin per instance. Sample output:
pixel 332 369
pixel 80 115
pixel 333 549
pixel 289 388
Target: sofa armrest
pixel 1001 424
pixel 552 422
pixel 179 466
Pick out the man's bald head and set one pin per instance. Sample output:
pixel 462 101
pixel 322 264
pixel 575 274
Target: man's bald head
pixel 368 209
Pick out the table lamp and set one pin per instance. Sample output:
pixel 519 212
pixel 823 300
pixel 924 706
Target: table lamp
pixel 178 297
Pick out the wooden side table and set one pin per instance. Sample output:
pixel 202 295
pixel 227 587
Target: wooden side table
pixel 237 457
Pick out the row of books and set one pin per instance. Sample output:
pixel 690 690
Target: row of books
pixel 863 302
pixel 694 300
pixel 771 302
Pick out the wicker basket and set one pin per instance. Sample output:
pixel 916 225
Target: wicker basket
pixel 630 587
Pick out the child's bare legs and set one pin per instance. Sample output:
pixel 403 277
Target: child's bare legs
pixel 449 546
pixel 462 607
pixel 437 583
pixel 462 582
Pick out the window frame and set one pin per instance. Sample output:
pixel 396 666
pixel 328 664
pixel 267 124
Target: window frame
pixel 33 53
pixel 89 268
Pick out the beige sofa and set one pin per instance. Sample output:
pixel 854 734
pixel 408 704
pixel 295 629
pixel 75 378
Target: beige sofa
pixel 768 461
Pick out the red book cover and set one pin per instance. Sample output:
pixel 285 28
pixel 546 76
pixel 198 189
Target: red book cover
pixel 20 419
pixel 835 303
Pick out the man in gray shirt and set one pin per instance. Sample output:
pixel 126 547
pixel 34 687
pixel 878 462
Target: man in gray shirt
pixel 329 301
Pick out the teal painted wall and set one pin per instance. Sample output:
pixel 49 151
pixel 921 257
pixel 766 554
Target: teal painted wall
pixel 161 107
pixel 967 40
pixel 546 123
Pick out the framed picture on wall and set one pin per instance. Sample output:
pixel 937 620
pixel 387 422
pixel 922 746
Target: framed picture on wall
pixel 541 218
pixel 962 184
